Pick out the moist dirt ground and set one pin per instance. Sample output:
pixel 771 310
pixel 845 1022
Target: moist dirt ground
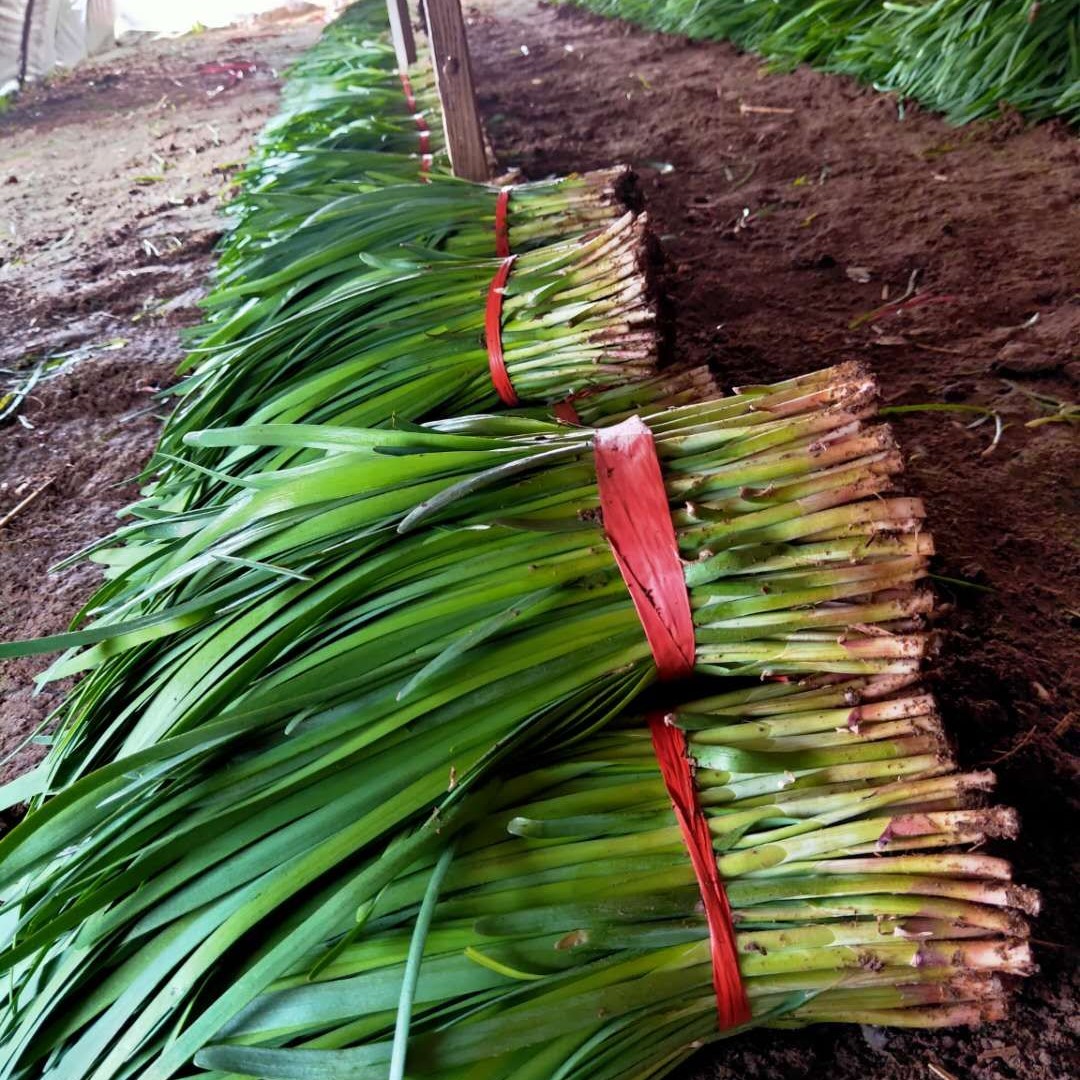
pixel 111 181
pixel 803 220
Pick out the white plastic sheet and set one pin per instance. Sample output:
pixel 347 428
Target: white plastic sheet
pixel 66 31
pixel 59 32
pixel 11 29
pixel 179 16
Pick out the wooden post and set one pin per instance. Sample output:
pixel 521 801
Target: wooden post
pixel 401 33
pixel 453 73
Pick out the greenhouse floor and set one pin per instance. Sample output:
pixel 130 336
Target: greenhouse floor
pixel 110 182
pixel 803 220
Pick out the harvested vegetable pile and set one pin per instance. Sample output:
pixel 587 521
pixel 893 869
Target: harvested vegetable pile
pixel 430 514
pixel 562 932
pixel 965 58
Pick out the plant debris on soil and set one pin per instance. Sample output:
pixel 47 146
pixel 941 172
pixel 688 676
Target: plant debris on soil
pixel 804 220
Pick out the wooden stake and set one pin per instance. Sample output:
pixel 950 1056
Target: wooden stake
pixel 402 33
pixel 453 73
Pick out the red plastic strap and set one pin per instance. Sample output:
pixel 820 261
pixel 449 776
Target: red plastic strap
pixel 500 377
pixel 502 228
pixel 669 744
pixel 421 125
pixel 565 411
pixel 637 523
pixel 406 85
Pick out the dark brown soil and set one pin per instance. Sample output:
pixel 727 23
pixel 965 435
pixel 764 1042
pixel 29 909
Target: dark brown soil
pixel 781 229
pixel 770 221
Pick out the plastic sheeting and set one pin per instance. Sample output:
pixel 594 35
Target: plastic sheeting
pixel 11 28
pixel 58 32
pixel 179 16
pixel 66 31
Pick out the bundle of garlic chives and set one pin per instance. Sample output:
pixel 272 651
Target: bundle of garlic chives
pixel 357 113
pixel 279 691
pixel 407 339
pixel 289 164
pixel 350 95
pixel 346 96
pixel 291 182
pixel 788 537
pixel 272 256
pixel 561 933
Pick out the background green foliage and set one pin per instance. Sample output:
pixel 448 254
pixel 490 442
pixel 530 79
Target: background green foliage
pixel 961 57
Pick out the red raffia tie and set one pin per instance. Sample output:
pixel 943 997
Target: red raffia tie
pixel 502 226
pixel 421 125
pixel 565 411
pixel 406 85
pixel 637 523
pixel 500 377
pixel 669 745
